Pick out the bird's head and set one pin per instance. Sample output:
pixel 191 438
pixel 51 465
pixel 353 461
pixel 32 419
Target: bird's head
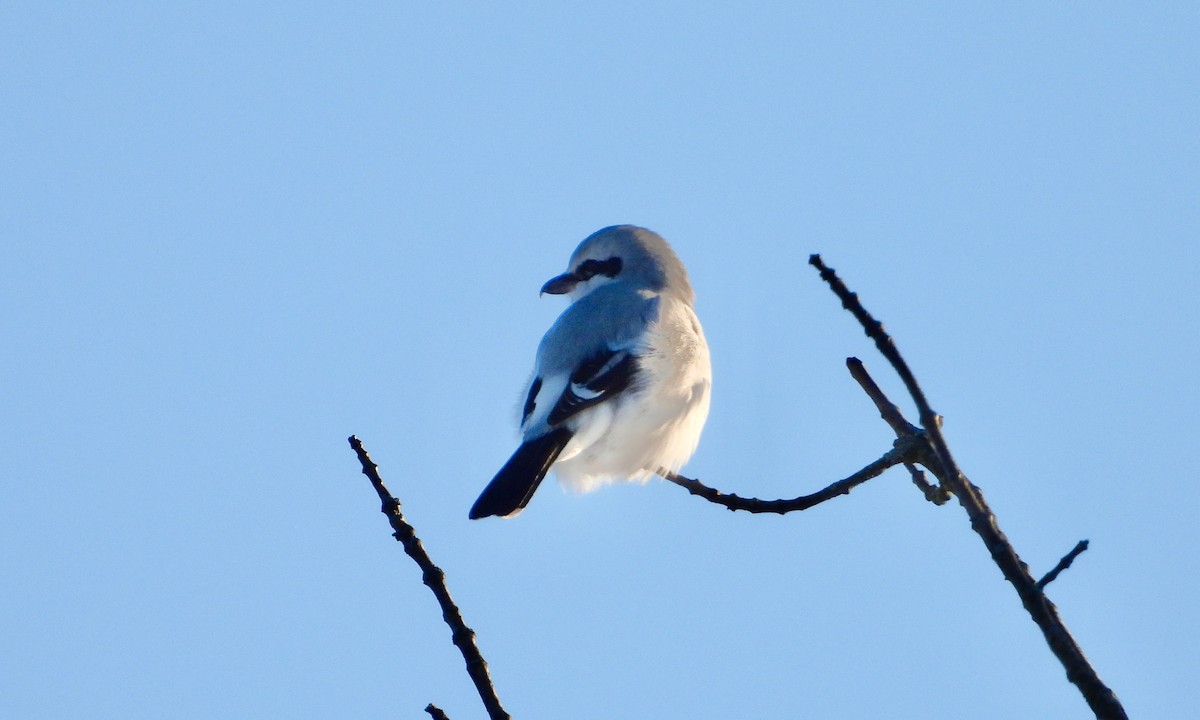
pixel 627 254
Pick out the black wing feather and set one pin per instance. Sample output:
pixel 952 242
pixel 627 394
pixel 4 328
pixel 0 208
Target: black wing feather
pixel 600 377
pixel 530 403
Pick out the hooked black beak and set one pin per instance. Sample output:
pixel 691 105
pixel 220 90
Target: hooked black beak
pixel 561 285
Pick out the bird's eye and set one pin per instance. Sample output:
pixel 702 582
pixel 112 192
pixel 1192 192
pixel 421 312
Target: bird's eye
pixel 591 268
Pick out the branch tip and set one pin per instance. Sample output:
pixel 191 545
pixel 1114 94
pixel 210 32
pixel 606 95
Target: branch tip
pixel 1063 564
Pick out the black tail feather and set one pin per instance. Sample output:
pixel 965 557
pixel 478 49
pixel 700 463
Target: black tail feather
pixel 514 485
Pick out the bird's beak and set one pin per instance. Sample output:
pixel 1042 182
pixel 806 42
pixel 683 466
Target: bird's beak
pixel 561 285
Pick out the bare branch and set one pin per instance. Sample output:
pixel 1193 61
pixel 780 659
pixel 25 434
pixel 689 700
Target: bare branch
pixel 935 494
pixel 887 409
pixel 1063 564
pixel 435 712
pixel 1102 700
pixel 435 579
pixel 909 447
pixel 903 449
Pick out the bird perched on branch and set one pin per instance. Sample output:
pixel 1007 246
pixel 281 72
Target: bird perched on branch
pixel 620 389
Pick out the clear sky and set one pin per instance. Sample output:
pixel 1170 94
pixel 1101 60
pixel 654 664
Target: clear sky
pixel 234 235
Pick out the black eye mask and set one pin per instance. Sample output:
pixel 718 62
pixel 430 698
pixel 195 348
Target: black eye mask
pixel 590 268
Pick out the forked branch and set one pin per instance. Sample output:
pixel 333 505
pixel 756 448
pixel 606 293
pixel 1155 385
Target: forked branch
pixel 1102 700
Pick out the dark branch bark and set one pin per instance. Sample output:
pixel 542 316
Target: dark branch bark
pixel 462 636
pixel 903 449
pixel 935 494
pixel 1063 564
pixel 435 712
pixel 887 409
pixel 1102 700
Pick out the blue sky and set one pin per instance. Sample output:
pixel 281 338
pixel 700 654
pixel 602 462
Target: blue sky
pixel 234 235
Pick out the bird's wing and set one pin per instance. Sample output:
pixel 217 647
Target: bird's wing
pixel 570 377
pixel 601 376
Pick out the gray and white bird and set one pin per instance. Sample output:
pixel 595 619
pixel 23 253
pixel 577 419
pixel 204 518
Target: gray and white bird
pixel 620 389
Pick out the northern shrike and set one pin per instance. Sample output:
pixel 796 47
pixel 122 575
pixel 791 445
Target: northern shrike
pixel 620 389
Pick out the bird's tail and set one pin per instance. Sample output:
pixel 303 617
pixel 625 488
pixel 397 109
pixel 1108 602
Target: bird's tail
pixel 513 486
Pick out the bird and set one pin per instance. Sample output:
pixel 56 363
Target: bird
pixel 622 379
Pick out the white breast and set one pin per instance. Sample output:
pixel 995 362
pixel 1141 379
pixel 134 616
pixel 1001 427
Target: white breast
pixel 657 423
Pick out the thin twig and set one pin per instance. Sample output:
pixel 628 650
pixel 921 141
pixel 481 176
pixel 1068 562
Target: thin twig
pixel 904 448
pixel 935 494
pixel 887 409
pixel 1063 564
pixel 1102 700
pixel 435 712
pixel 462 636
